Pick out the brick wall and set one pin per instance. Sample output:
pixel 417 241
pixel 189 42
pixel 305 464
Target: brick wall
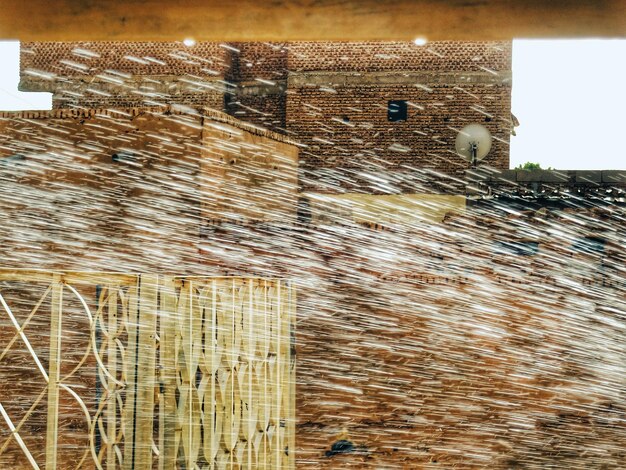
pixel 250 61
pixel 87 59
pixel 117 74
pixel 389 56
pixel 425 345
pixel 88 99
pixel 435 346
pixel 348 127
pixel 264 109
pixel 259 60
pixel 338 99
pixel 259 71
pixel 94 210
pixel 332 97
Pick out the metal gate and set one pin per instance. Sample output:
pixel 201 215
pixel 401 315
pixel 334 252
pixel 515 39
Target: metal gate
pixel 146 371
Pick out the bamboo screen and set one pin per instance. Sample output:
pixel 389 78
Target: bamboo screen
pixel 113 371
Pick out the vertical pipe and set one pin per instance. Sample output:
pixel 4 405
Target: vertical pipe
pixel 130 360
pixel 231 408
pixel 278 390
pixel 291 415
pixel 251 351
pixel 191 378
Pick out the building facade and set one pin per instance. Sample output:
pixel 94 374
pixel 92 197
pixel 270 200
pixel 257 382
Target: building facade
pixel 491 339
pixel 362 110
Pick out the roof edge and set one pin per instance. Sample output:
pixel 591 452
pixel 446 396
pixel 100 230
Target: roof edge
pixel 177 110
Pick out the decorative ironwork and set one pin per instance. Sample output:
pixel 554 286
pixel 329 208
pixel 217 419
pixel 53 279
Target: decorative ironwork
pixel 183 372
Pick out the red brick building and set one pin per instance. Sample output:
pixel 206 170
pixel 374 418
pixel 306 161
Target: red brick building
pixel 493 339
pixel 361 109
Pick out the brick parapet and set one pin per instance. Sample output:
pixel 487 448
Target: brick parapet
pixel 390 56
pixel 87 59
pixel 131 112
pixel 254 61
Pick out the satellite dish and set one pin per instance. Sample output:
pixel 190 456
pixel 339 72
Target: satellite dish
pixel 473 142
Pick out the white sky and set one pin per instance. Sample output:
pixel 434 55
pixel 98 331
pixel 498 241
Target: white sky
pixel 570 99
pixel 10 98
pixel 569 96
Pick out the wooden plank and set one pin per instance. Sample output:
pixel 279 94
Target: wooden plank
pixel 128 416
pixel 264 377
pixel 111 410
pixel 212 356
pixel 54 372
pixel 246 20
pixel 19 275
pixel 95 278
pixel 247 378
pixel 70 277
pixel 191 343
pixel 146 368
pixel 167 362
pixel 278 398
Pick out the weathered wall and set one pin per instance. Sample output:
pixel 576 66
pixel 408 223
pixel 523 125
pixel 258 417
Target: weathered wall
pixel 91 210
pixel 350 129
pixel 425 346
pixel 260 104
pixel 450 345
pixel 246 177
pixel 259 60
pixel 376 56
pixel 126 190
pixel 422 345
pixel 85 59
pixel 339 94
pixel 123 190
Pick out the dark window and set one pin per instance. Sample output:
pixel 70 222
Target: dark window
pixel 303 210
pixel 519 248
pixel 124 156
pixel 589 245
pixel 396 110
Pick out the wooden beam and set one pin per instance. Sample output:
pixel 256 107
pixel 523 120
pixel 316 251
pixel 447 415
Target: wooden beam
pixel 54 372
pixel 281 20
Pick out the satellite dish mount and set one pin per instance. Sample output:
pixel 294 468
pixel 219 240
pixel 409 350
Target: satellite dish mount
pixel 473 151
pixel 473 143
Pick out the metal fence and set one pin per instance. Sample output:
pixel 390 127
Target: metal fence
pixel 139 371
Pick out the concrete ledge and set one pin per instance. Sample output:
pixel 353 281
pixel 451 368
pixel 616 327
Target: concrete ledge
pixel 352 79
pixel 561 177
pixel 276 87
pixel 164 84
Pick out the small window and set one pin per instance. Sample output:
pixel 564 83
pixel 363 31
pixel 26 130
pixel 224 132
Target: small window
pixel 396 110
pixel 589 245
pixel 519 248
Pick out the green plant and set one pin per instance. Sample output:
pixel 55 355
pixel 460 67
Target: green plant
pixel 529 166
